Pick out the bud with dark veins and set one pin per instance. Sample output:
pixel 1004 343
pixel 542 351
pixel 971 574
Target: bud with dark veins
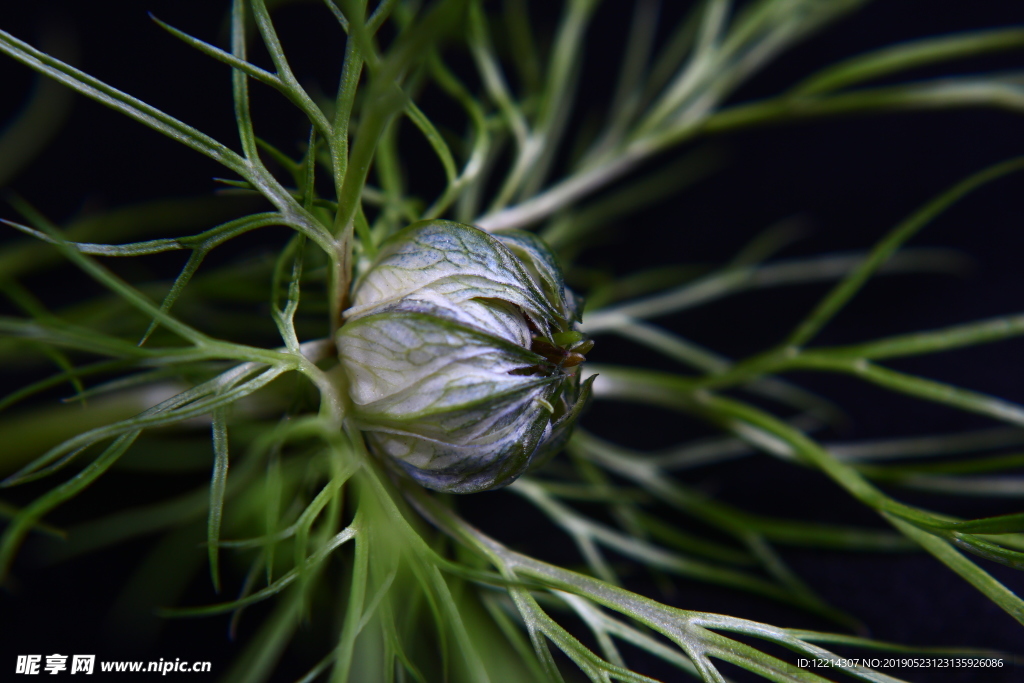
pixel 461 356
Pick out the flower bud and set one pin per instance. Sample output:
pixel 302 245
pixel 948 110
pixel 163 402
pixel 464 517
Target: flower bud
pixel 460 355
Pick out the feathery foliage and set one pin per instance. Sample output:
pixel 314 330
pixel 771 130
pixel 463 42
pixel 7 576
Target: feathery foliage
pixel 295 497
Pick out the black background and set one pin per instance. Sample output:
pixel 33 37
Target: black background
pixel 848 180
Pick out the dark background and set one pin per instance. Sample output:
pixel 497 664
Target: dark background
pixel 848 180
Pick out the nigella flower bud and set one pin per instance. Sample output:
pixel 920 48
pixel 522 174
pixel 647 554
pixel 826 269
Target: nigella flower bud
pixel 461 357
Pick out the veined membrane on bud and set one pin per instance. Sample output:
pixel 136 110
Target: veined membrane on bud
pixel 461 357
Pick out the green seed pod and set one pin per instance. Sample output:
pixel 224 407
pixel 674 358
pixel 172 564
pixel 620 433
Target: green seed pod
pixel 460 355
